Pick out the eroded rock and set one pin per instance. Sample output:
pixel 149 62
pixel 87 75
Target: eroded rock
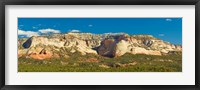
pixel 109 45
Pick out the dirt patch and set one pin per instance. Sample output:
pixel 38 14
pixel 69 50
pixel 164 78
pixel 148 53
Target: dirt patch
pixel 91 60
pixel 104 66
pixel 40 56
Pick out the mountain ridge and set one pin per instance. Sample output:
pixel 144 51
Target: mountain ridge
pixel 108 45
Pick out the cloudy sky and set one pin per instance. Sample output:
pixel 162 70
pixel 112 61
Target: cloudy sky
pixel 168 29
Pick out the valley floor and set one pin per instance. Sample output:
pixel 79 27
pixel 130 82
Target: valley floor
pixel 96 63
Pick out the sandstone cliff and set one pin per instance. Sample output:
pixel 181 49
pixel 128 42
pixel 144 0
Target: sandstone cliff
pixel 110 45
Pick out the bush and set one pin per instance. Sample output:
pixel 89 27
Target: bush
pixel 77 63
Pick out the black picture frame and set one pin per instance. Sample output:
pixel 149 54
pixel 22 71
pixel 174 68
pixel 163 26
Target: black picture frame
pixel 99 2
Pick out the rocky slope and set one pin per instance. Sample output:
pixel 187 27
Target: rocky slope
pixel 109 45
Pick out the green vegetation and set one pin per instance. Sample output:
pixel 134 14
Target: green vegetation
pixel 95 63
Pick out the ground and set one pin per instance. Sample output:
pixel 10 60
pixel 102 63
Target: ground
pixel 95 63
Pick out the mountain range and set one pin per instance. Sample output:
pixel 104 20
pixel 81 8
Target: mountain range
pixel 107 45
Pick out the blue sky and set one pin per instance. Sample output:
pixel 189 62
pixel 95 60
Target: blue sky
pixel 167 29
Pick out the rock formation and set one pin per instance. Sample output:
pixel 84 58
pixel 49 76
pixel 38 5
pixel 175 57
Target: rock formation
pixel 109 45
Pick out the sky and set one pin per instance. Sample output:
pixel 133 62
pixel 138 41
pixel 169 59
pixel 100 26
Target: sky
pixel 167 29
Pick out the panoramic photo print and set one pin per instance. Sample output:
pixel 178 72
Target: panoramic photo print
pixel 99 44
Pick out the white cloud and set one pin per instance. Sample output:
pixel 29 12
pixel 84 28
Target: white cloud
pixel 27 33
pixel 120 33
pixel 161 34
pixel 22 36
pixel 90 25
pixel 34 27
pixel 168 19
pixel 37 33
pixel 48 31
pixel 75 31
